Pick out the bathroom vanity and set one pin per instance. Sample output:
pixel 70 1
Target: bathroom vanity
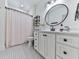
pixel 45 44
pixel 57 45
pixel 61 42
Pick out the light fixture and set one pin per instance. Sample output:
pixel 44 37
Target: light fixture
pixel 22 5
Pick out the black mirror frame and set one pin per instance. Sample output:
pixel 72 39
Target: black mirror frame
pixel 62 20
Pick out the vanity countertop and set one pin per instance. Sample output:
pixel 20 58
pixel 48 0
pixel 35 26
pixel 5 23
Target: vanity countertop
pixel 58 32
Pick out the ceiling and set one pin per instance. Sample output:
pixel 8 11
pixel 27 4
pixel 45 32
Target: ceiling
pixel 16 3
pixel 25 2
pixel 32 2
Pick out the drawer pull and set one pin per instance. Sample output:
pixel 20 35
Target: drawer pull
pixel 44 35
pixel 35 39
pixel 35 46
pixel 65 40
pixel 65 52
pixel 36 34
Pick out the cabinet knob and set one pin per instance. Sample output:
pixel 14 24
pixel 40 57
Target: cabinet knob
pixel 65 40
pixel 65 52
pixel 35 39
pixel 35 46
pixel 44 35
pixel 35 33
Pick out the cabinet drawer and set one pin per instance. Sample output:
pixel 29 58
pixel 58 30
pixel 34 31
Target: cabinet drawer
pixel 69 40
pixel 66 52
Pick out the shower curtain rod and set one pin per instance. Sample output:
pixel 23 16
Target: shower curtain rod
pixel 18 10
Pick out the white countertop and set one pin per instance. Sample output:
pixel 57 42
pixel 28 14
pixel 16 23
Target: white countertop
pixel 59 32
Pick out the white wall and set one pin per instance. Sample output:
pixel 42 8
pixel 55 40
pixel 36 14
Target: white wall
pixel 40 9
pixel 74 25
pixel 27 5
pixel 2 24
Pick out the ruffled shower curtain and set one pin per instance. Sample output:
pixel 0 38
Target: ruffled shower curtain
pixel 19 26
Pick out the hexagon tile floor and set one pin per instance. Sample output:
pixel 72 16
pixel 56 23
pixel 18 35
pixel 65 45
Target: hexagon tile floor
pixel 20 52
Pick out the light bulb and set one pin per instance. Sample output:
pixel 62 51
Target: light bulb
pixel 22 5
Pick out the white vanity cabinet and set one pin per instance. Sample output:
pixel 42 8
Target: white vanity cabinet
pixel 57 45
pixel 67 46
pixel 46 45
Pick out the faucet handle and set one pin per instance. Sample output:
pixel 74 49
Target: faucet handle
pixel 67 27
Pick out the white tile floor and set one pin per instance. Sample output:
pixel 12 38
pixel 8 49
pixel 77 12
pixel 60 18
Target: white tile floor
pixel 20 52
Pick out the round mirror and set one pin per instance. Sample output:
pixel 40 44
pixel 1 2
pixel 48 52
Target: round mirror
pixel 56 15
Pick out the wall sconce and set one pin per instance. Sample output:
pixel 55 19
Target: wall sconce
pixel 22 6
pixel 77 13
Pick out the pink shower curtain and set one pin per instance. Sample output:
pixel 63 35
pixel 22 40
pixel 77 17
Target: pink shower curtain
pixel 18 27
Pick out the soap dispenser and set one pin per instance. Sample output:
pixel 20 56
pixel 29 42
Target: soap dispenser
pixel 61 27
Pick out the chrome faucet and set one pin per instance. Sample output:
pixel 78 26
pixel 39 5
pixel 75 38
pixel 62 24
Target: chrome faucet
pixel 66 28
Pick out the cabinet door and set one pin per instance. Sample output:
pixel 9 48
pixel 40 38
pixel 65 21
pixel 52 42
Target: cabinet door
pixel 50 46
pixel 41 43
pixel 47 45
